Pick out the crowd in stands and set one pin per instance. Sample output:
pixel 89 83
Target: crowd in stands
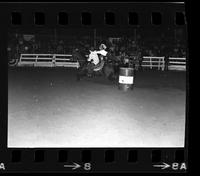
pixel 122 46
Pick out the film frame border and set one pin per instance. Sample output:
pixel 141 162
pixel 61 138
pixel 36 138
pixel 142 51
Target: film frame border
pixel 121 163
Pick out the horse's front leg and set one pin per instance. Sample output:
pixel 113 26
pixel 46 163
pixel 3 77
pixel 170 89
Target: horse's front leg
pixel 81 72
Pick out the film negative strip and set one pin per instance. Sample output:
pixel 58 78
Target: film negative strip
pixel 94 87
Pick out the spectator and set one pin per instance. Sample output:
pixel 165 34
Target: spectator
pixel 60 47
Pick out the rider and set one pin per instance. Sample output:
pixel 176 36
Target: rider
pixel 94 59
pixel 102 51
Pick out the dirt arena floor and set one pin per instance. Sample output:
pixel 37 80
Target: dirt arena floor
pixel 47 107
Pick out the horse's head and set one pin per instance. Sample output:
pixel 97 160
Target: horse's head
pixel 93 55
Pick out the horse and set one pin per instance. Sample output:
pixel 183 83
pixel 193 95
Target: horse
pixel 103 68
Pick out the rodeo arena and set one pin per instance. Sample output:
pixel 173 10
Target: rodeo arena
pixel 96 90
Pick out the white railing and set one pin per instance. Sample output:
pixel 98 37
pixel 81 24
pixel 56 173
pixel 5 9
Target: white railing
pixel 65 60
pixel 47 60
pixel 151 61
pixel 178 63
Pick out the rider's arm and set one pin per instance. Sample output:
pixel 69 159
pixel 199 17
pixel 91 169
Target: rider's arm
pixel 102 52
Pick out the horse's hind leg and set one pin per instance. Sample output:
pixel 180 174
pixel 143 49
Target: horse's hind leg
pixel 109 73
pixel 111 76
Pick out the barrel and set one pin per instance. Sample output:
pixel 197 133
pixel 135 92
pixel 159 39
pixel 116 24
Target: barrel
pixel 126 78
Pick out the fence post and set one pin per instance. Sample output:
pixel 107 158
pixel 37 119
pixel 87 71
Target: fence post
pixel 20 58
pixel 163 64
pixel 36 60
pixel 150 63
pixel 54 61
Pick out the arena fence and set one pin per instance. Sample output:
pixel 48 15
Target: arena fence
pixel 151 61
pixel 47 60
pixel 65 60
pixel 12 61
pixel 177 63
pixel 133 60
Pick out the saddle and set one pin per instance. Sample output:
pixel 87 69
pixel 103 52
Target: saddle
pixel 99 66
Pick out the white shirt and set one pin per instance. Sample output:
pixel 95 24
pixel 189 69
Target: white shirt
pixel 94 56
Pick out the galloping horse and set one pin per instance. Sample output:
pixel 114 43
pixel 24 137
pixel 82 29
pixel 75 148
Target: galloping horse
pixel 102 68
